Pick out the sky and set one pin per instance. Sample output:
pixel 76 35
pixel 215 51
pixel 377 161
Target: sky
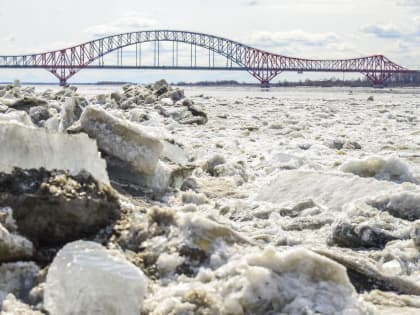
pixel 301 28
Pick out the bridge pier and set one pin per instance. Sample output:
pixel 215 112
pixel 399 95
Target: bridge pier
pixel 63 82
pixel 265 84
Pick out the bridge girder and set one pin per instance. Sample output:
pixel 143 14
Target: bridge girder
pixel 263 65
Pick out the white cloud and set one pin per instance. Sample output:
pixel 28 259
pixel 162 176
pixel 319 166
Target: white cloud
pixel 408 3
pixel 382 31
pixel 121 25
pixel 296 36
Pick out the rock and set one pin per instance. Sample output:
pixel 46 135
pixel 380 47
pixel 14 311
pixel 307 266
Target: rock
pixel 28 148
pixel 353 235
pixel 366 276
pixel 176 95
pixel 39 114
pixel 116 96
pixel 211 164
pixel 160 87
pixel 123 140
pixel 392 169
pixel 70 112
pixel 200 117
pixel 403 205
pixel 110 284
pixel 365 226
pixel 27 102
pixel 14 247
pixel 352 145
pixel 54 207
pixel 330 190
pixel 17 278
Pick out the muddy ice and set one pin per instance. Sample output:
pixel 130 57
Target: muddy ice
pixel 155 200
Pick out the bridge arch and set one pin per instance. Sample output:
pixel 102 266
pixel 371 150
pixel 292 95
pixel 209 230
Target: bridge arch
pixel 261 64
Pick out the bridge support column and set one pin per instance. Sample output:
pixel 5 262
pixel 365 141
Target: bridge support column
pixel 63 82
pixel 378 79
pixel 265 84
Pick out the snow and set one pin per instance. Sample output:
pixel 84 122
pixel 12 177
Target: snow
pixel 332 190
pixel 85 278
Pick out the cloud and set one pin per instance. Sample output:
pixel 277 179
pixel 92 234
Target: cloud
pixel 121 25
pixel 408 3
pixel 292 37
pixel 252 3
pixel 382 31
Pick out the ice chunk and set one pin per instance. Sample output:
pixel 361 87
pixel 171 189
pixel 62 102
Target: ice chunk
pixel 121 139
pixel 13 247
pixel 329 189
pixel 293 282
pixel 17 278
pixel 392 169
pixel 17 116
pixel 27 148
pixel 85 278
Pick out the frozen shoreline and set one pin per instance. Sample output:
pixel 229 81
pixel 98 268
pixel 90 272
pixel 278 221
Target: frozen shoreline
pixel 276 176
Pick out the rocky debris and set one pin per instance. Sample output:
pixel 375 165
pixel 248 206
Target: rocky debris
pixel 14 247
pixel 54 207
pixel 392 169
pixel 403 205
pixel 176 95
pixel 122 140
pixel 26 103
pixel 110 284
pixel 365 226
pixel 353 235
pixel 29 148
pixel 160 87
pixel 17 278
pixel 210 165
pixel 339 144
pixel 366 276
pixel 39 114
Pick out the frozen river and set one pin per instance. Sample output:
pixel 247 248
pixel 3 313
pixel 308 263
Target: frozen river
pixel 297 200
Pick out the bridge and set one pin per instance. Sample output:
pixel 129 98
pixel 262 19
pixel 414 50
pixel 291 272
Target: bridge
pixel 263 65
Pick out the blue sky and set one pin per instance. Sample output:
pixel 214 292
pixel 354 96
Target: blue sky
pixel 304 28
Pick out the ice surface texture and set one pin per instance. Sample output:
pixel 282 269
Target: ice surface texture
pixel 85 278
pixel 35 148
pixel 121 139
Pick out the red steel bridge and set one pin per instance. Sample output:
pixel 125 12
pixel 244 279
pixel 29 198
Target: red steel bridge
pixel 263 65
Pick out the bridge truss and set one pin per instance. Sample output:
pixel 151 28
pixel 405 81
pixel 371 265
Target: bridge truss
pixel 261 64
